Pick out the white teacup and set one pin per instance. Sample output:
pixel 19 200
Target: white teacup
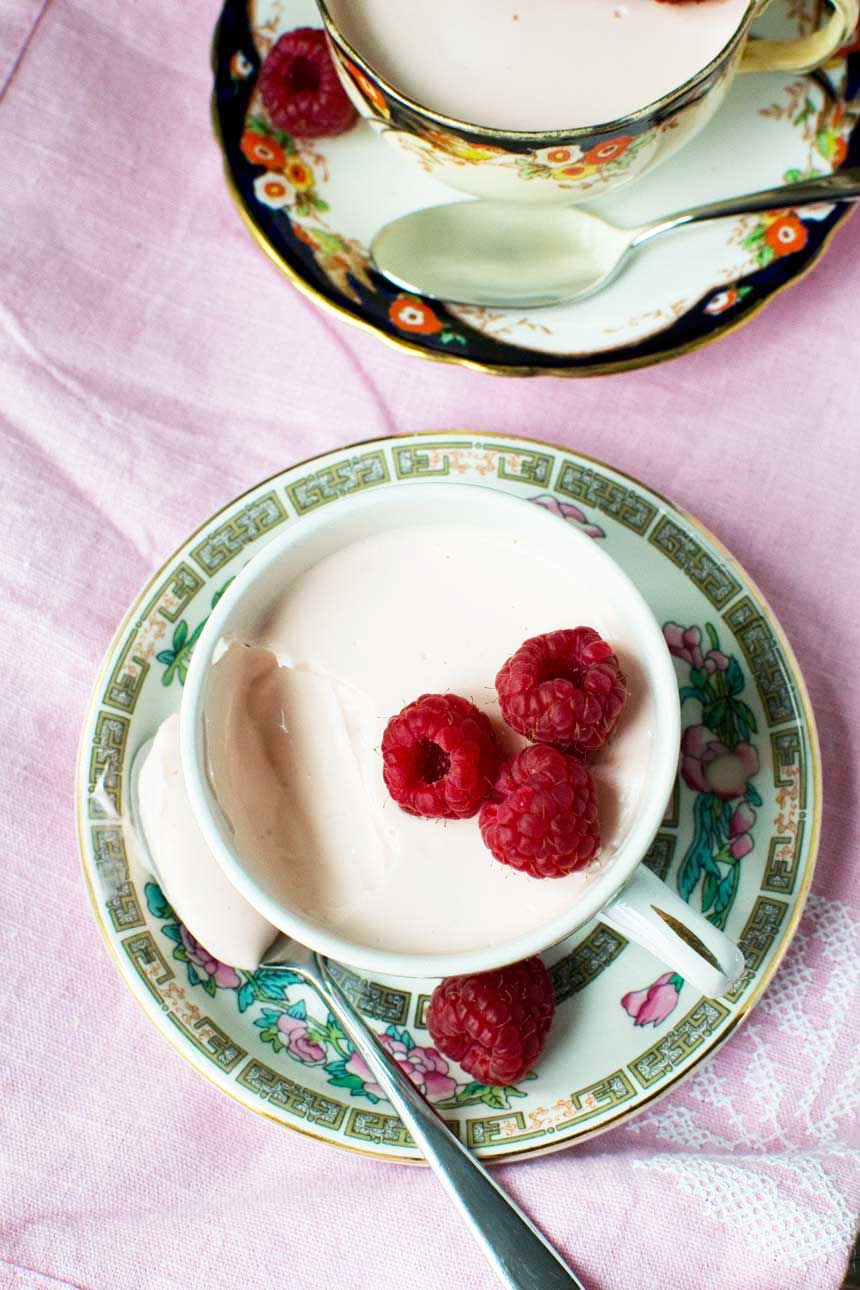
pixel 567 165
pixel 624 894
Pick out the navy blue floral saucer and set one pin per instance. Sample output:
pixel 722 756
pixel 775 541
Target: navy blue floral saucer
pixel 315 206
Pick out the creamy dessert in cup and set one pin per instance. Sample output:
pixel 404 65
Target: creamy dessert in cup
pixel 554 101
pixel 531 67
pixel 336 624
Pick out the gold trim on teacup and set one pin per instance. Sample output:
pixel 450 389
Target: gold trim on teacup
pixel 743 1009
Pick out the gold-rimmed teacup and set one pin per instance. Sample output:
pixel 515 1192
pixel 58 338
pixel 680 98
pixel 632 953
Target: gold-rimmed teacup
pixel 567 166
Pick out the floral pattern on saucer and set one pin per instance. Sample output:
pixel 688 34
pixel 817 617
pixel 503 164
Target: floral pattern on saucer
pixel 739 835
pixel 316 207
pixel 285 1023
pixel 719 764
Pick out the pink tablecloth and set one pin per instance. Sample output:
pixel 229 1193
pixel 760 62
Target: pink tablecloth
pixel 152 364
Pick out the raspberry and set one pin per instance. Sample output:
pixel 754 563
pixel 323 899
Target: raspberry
pixel 494 1024
pixel 439 757
pixel 564 688
pixel 541 816
pixel 300 89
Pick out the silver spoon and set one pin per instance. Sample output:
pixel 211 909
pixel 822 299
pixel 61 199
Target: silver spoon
pixel 500 255
pixel 521 1257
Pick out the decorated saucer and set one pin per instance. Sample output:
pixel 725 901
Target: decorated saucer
pixel 314 208
pixel 738 840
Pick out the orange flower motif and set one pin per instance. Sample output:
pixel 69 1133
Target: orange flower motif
pixel 609 150
pixel 839 152
pixel 304 236
pixel 240 66
pixel 576 170
pixel 722 301
pixel 262 151
pixel 411 314
pixel 300 175
pixel 786 235
pixel 559 156
pixel 370 91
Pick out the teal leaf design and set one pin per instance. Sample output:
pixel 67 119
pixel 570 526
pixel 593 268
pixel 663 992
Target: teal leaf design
pixel 245 996
pixel 298 1010
pixel 745 715
pixel 734 677
pixel 273 983
pixel 690 692
pixel 165 656
pixel 156 901
pixel 192 974
pixel 699 852
pixel 268 1027
pixel 753 795
pixel 709 891
pixel 726 893
pixel 403 1036
pixel 209 985
pixel 267 1017
pixel 340 1077
pixel 173 933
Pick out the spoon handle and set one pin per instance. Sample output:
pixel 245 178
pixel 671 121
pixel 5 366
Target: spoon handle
pixel 842 186
pixel 522 1258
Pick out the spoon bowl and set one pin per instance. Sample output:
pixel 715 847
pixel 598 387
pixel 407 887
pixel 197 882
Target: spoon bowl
pixel 486 253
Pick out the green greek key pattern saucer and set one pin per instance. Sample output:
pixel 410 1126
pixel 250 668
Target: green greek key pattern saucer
pixel 739 844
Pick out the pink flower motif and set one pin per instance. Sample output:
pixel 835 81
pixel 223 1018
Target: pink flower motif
pixel 716 661
pixel 427 1069
pixel 653 1004
pixel 225 977
pixel 743 818
pixel 741 846
pixel 708 766
pixel 740 826
pixel 572 514
pixel 294 1035
pixel 685 643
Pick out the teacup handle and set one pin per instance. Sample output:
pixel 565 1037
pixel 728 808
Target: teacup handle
pixel 804 53
pixel 648 912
